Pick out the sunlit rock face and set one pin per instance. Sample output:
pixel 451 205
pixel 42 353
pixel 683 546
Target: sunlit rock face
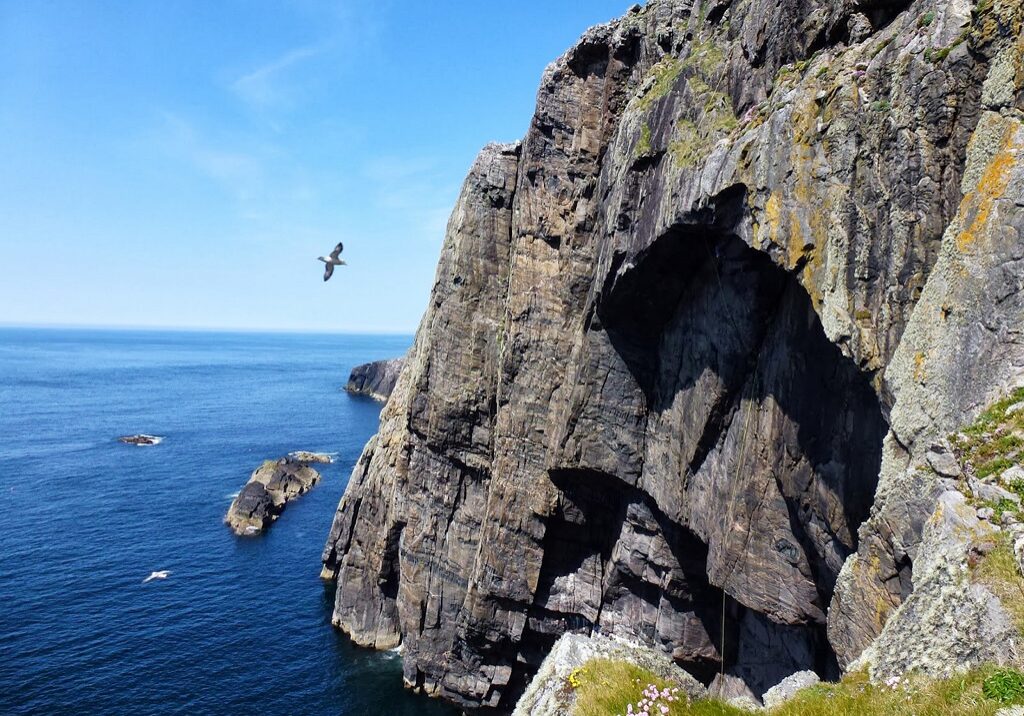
pixel 684 355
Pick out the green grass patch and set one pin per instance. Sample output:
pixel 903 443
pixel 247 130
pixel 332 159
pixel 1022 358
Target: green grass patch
pixel 1005 686
pixel 694 140
pixel 705 57
pixel 998 570
pixel 643 145
pixel 881 46
pixel 688 148
pixel 665 73
pixel 994 441
pixel 607 688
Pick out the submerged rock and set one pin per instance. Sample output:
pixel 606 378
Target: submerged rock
pixel 376 379
pixel 141 439
pixel 269 489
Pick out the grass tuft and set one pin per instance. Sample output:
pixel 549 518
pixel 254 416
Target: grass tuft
pixel 1005 686
pixel 993 442
pixel 608 688
pixel 998 570
pixel 665 73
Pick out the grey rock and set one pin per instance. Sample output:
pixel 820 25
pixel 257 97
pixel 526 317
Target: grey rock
pixel 859 27
pixel 1012 474
pixel 548 693
pixel 985 513
pixel 787 688
pixel 943 462
pixel 949 623
pixel 991 493
pixel 734 691
pixel 260 502
pixel 376 379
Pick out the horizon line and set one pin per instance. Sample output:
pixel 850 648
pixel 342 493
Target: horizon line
pixel 197 329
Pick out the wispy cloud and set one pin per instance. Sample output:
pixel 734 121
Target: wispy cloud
pixel 239 173
pixel 263 86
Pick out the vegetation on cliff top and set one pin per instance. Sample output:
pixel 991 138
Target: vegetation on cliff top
pixel 615 688
pixel 992 443
pixel 987 449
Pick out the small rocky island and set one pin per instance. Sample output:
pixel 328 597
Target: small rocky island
pixel 269 489
pixel 376 379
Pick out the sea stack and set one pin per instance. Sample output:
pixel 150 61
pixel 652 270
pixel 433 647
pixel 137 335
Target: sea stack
pixel 271 486
pixel 376 379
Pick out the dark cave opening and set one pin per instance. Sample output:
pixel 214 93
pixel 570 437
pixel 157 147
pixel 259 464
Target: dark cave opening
pixel 706 324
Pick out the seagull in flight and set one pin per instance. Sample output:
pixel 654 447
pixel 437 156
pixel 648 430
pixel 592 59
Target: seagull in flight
pixel 162 574
pixel 332 261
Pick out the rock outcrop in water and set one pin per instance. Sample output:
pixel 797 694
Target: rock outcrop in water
pixel 693 343
pixel 269 489
pixel 141 439
pixel 376 379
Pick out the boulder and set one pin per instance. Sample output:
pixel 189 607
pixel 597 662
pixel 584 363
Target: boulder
pixel 787 688
pixel 547 694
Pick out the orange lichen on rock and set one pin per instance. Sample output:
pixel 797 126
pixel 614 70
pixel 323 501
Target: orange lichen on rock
pixel 976 207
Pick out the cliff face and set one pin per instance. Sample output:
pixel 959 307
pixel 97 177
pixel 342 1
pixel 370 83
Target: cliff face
pixel 692 342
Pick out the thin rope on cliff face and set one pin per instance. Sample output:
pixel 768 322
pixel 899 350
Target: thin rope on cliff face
pixel 738 471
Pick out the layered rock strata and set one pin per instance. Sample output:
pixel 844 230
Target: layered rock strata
pixel 690 345
pixel 376 379
pixel 268 490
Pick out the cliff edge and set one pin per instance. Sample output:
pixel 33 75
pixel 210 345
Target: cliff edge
pixel 695 346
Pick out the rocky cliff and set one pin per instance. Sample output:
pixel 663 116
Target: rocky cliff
pixel 695 345
pixel 376 379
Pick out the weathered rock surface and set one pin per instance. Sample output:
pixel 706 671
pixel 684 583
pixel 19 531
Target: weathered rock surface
pixel 691 343
pixel 549 694
pixel 376 379
pixel 787 688
pixel 947 622
pixel 268 490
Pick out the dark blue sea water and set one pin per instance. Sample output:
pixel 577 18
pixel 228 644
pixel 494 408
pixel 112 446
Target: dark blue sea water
pixel 242 625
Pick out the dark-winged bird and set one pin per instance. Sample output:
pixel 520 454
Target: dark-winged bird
pixel 332 261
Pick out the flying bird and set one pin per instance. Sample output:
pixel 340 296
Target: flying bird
pixel 162 574
pixel 332 261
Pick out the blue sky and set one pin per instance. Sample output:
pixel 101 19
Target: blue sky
pixel 182 163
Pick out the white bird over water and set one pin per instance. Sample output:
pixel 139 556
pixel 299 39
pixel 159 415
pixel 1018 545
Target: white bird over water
pixel 162 574
pixel 332 261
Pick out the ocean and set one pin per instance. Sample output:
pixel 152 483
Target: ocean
pixel 241 625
